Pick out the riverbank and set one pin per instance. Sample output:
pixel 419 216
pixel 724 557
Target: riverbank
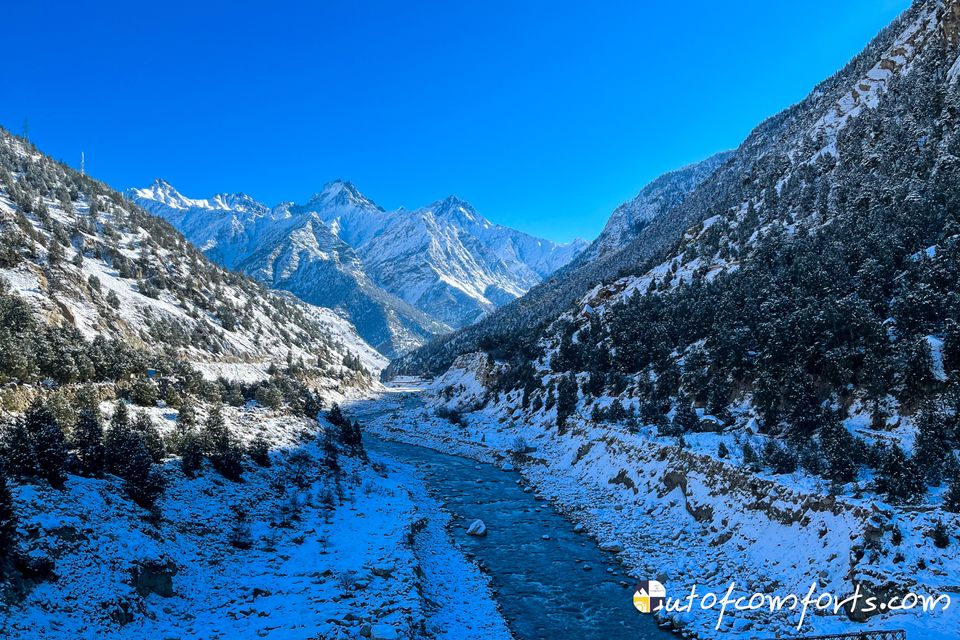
pixel 290 552
pixel 686 520
pixel 549 580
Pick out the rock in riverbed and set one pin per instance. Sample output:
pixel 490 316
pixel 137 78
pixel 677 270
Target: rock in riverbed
pixel 383 632
pixel 477 528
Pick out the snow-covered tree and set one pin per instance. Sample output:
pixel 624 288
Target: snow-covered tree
pixel 86 440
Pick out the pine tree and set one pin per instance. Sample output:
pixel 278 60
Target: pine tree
pixel 685 418
pixel 191 450
pixel 121 415
pixel 119 445
pixel 86 440
pixel 951 501
pixel 838 448
pixel 224 452
pixel 8 521
pixel 144 392
pixel 129 457
pixel 940 536
pixel 312 405
pixel 932 443
pixel 566 399
pixel 899 478
pixel 259 451
pixel 144 480
pixel 48 442
pixel 17 448
pixel 335 416
pixel 187 416
pixel 144 425
pixel 750 458
pixel 352 437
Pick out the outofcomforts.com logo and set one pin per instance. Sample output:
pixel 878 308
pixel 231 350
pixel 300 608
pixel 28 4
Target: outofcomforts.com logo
pixel 649 596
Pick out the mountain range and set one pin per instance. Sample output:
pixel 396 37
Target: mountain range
pixel 87 260
pixel 402 277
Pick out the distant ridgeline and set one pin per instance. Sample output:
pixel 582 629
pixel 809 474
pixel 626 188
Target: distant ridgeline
pixel 402 277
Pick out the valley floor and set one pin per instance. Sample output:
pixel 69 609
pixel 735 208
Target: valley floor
pixel 687 519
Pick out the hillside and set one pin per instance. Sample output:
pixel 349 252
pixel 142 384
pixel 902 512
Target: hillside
pixel 521 321
pixel 173 462
pixel 88 260
pixel 779 351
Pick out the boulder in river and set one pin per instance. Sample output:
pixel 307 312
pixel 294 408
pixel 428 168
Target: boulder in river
pixel 477 528
pixel 611 547
pixel 383 632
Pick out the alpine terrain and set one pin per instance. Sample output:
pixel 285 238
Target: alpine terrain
pixel 402 277
pixel 766 368
pixel 173 458
pixel 328 420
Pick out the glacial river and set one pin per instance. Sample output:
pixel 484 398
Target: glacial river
pixel 556 587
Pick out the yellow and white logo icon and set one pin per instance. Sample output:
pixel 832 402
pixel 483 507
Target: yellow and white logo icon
pixel 649 596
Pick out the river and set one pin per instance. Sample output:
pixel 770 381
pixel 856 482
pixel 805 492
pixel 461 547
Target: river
pixel 550 582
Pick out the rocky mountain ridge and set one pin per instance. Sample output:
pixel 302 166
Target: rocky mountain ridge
pixel 402 276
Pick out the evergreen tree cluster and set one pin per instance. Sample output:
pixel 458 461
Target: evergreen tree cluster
pixel 348 433
pixel 825 279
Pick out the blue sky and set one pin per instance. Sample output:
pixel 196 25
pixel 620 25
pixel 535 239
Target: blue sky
pixel 545 115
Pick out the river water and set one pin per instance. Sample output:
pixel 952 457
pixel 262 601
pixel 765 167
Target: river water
pixel 543 585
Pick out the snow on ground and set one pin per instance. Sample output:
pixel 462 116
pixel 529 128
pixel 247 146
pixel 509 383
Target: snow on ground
pixel 689 519
pixel 325 556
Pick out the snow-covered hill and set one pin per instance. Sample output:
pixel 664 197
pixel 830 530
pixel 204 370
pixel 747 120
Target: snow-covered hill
pixel 792 320
pixel 85 257
pixel 401 276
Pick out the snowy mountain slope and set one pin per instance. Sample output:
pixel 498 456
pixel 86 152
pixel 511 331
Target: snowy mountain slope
pixel 454 264
pixel 223 227
pixel 444 259
pixel 284 553
pixel 292 248
pixel 568 282
pixel 663 194
pixel 793 153
pixel 303 256
pixel 792 321
pixel 84 256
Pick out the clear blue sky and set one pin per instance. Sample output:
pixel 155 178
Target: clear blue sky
pixel 545 115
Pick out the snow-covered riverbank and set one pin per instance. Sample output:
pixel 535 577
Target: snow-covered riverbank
pixel 291 552
pixel 689 520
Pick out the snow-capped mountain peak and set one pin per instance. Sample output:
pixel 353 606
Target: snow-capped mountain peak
pixel 340 193
pixel 455 209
